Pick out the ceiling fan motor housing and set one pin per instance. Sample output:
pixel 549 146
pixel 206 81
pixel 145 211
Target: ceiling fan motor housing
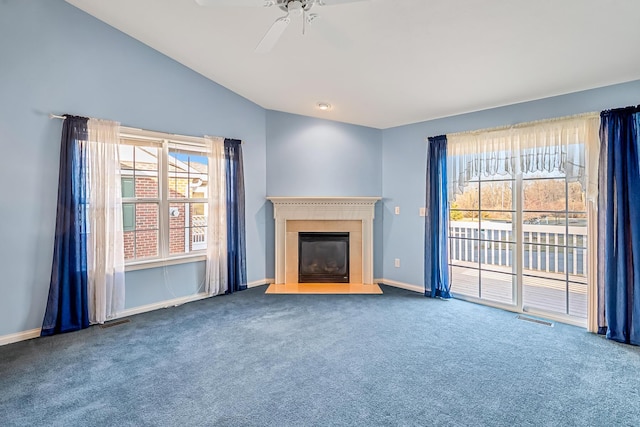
pixel 295 6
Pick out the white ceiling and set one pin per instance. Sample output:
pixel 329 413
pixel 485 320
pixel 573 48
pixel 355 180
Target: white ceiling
pixel 385 63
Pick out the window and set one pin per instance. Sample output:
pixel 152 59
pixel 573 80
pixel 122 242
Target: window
pixel 164 195
pixel 128 209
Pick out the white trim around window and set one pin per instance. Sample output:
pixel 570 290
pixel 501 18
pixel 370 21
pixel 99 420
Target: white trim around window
pixel 166 199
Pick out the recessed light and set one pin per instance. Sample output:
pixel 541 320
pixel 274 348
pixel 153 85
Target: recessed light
pixel 324 106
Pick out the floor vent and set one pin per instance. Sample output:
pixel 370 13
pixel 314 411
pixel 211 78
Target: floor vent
pixel 531 319
pixel 114 323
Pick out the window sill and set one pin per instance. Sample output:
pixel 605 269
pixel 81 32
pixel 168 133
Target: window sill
pixel 155 263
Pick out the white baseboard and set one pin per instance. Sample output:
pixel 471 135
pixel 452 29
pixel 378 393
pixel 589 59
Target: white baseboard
pixel 401 285
pixel 179 301
pixel 260 282
pixel 34 333
pixel 19 336
pixel 162 304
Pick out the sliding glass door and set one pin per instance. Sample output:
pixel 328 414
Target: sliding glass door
pixel 519 240
pixel 554 242
pixel 482 240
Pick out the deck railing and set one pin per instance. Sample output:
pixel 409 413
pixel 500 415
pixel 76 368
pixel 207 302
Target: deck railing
pixel 198 232
pixel 544 246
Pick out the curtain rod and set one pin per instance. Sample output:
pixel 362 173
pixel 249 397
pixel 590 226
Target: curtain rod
pixel 55 116
pixel 525 124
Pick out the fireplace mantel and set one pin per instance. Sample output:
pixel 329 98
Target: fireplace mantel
pixel 324 209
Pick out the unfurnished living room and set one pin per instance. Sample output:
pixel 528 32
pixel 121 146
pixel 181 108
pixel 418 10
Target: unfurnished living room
pixel 320 212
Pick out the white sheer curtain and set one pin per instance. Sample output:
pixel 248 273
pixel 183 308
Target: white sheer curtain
pixel 105 248
pixel 592 161
pixel 216 282
pixel 545 146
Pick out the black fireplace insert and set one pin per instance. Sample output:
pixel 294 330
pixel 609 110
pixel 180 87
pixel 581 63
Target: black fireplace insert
pixel 323 257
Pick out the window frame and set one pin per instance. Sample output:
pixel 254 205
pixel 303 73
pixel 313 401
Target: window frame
pixel 163 141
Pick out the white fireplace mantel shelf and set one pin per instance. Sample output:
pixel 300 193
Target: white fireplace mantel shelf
pixel 324 209
pixel 330 208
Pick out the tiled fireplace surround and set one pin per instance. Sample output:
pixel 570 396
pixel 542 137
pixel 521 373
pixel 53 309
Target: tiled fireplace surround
pixel 327 214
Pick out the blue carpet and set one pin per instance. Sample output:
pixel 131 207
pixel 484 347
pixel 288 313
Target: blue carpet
pixel 250 359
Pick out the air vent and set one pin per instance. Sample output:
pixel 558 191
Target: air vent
pixel 531 319
pixel 114 323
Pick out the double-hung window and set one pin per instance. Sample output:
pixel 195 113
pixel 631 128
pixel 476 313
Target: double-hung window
pixel 164 196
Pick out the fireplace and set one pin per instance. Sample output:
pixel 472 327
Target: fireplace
pixel 298 215
pixel 323 257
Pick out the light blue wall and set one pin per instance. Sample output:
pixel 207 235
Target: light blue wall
pixel 404 165
pixel 315 157
pixel 55 58
pixel 177 281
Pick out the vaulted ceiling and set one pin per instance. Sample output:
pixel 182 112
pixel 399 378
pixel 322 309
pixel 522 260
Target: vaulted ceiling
pixel 385 63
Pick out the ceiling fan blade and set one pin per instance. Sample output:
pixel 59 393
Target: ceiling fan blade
pixel 240 3
pixel 273 35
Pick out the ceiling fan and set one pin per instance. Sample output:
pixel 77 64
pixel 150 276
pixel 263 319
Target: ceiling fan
pixel 292 8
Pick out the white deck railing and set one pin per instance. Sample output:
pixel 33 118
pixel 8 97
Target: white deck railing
pixel 544 246
pixel 198 232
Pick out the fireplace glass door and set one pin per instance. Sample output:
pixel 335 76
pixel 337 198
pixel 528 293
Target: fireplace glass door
pixel 323 257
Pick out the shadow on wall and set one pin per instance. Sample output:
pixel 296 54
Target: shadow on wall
pixel 378 240
pixel 267 238
pixel 43 251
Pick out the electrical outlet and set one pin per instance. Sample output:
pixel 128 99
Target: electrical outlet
pixel 397 210
pixel 423 211
pixel 396 262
